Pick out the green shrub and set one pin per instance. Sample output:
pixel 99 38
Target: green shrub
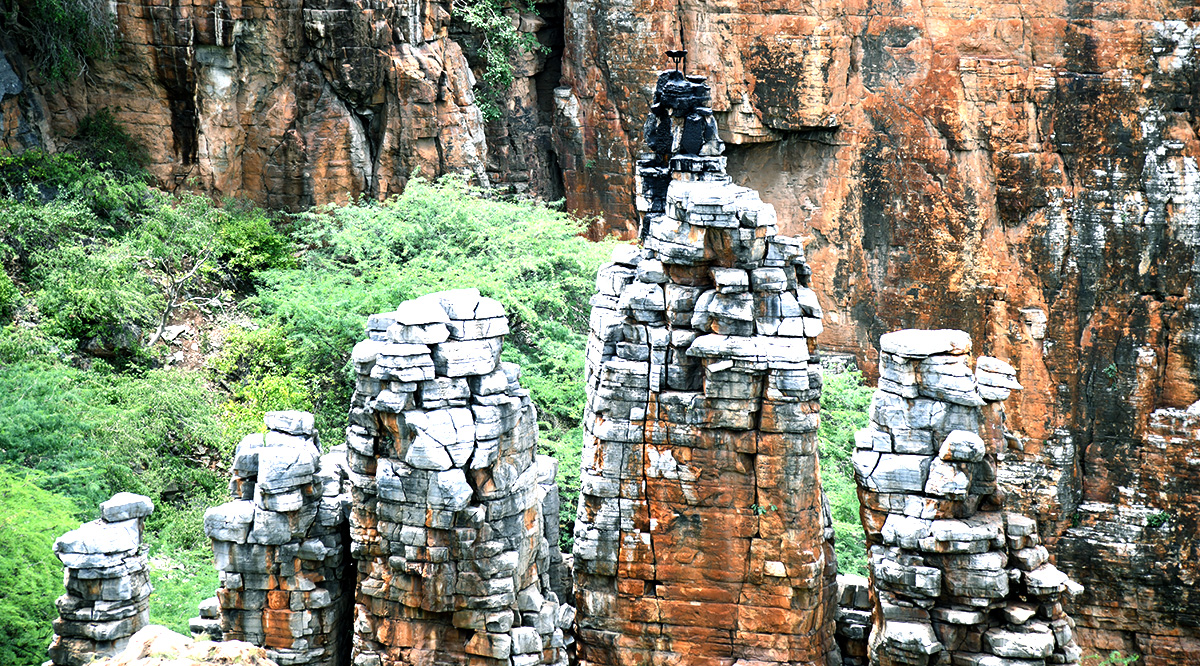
pixel 9 295
pixel 181 580
pixel 30 575
pixel 844 410
pixel 36 177
pixel 86 291
pixel 101 140
pixel 500 41
pixel 248 242
pixel 60 36
pixel 368 258
pixel 20 343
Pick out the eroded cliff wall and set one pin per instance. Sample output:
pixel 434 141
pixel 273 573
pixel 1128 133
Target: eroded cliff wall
pixel 1024 171
pixel 294 103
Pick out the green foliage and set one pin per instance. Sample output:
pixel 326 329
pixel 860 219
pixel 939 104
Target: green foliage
pixel 368 258
pixel 1157 520
pixel 101 140
pixel 30 575
pixel 85 291
pixel 1114 658
pixel 60 36
pixel 500 42
pixel 181 580
pixel 9 296
pixel 113 198
pixel 248 242
pixel 94 433
pixel 844 404
pixel 567 447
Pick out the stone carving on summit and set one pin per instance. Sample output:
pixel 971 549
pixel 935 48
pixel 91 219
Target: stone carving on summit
pixel 956 578
pixel 702 534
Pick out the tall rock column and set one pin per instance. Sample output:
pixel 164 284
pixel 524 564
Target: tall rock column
pixel 450 499
pixel 955 578
pixel 702 534
pixel 108 589
pixel 281 546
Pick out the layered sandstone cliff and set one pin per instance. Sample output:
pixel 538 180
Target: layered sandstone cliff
pixel 1023 171
pixel 299 103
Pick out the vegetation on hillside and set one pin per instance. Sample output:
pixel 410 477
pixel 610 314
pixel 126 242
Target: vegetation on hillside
pixel 143 334
pixel 844 402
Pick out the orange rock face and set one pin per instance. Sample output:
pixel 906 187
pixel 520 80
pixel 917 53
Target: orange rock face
pixel 1022 171
pixel 293 104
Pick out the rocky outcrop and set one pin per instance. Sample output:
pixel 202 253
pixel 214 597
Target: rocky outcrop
pixel 955 578
pixel 281 546
pixel 702 535
pixel 854 618
pixel 297 104
pixel 453 521
pixel 1023 171
pixel 108 588
pixel 159 646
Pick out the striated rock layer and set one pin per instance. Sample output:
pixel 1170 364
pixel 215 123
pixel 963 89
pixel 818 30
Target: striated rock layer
pixel 453 521
pixel 1024 171
pixel 702 536
pixel 280 546
pixel 955 578
pixel 296 103
pixel 108 587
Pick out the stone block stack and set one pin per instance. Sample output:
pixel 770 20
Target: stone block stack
pixel 956 580
pixel 280 545
pixel 108 588
pixel 454 519
pixel 854 618
pixel 702 534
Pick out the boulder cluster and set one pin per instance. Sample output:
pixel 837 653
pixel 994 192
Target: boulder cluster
pixel 108 588
pixel 454 517
pixel 702 534
pixel 956 578
pixel 280 546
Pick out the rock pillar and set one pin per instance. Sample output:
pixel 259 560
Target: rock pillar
pixel 280 546
pixel 451 501
pixel 108 589
pixel 702 535
pixel 955 579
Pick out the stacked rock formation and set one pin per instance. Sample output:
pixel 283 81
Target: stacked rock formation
pixel 701 534
pixel 108 589
pixel 280 545
pixel 955 578
pixel 451 521
pixel 854 618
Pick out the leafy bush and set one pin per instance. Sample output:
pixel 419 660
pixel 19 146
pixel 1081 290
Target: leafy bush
pixel 248 242
pixel 60 35
pixel 86 291
pixel 844 404
pixel 500 42
pixel 94 433
pixel 181 580
pixel 368 258
pixel 9 296
pixel 37 177
pixel 30 575
pixel 101 140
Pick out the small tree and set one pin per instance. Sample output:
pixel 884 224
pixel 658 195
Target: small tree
pixel 176 244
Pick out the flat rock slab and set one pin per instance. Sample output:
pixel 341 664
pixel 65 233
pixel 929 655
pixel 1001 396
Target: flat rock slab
pixel 918 343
